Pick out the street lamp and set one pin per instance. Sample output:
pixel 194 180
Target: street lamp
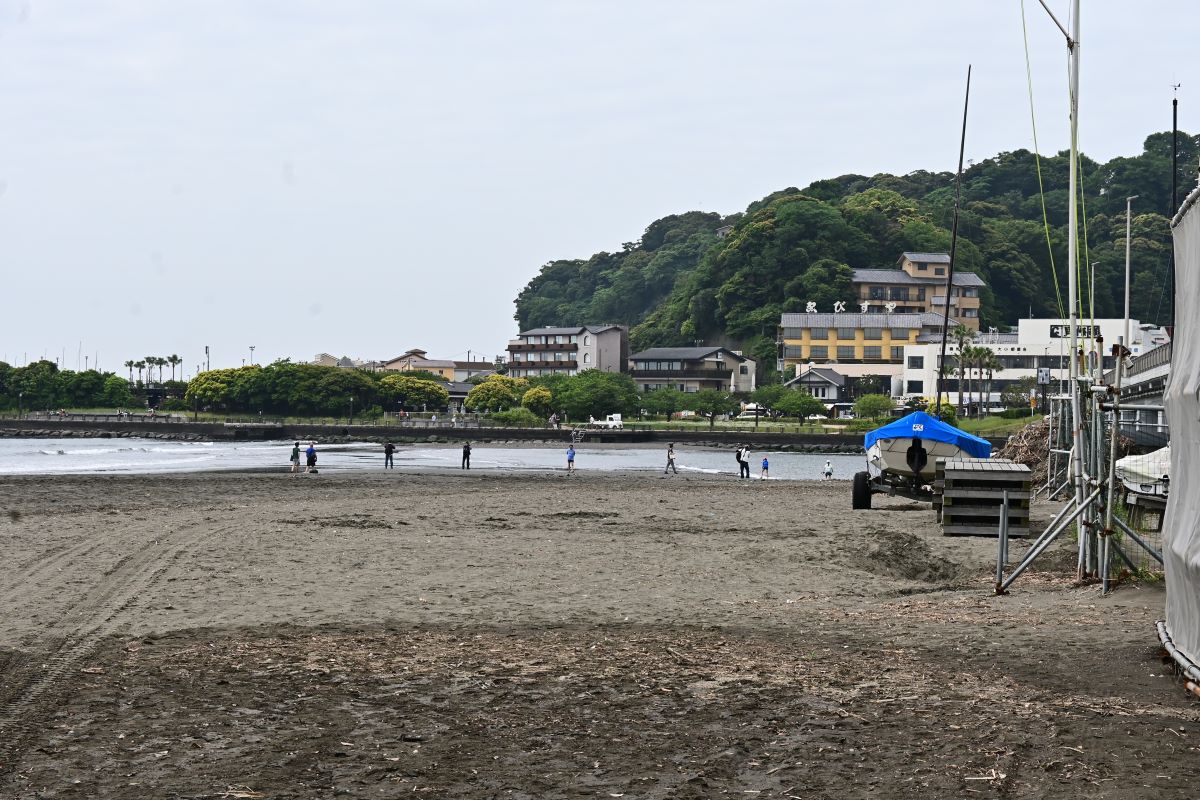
pixel 351 409
pixel 20 404
pixel 252 355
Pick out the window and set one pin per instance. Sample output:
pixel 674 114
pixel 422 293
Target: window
pixel 922 266
pixel 845 353
pixel 817 391
pixel 939 271
pixel 916 362
pixel 817 333
pixel 897 354
pixel 920 292
pixel 587 340
pixel 516 356
pixel 792 351
pixel 899 333
pixel 970 312
pixel 898 293
pixel 873 333
pixel 587 358
pixel 872 352
pixel 970 291
pixel 792 333
pixel 845 333
pixel 743 369
pixel 915 387
pixel 818 351
pixel 878 293
pixel 560 340
pixel 560 356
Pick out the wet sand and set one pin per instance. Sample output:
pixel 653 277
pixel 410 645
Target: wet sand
pixel 364 634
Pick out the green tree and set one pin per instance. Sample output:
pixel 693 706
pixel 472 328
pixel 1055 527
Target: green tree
pixel 1017 394
pixel 769 395
pixel 491 395
pixel 711 403
pixel 116 392
pixel 593 393
pixel 665 401
pixel 800 403
pixel 412 393
pixel 538 400
pixel 873 406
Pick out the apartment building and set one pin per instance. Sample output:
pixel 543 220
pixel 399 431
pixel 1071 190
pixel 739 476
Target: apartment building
pixel 919 286
pixel 690 369
pixel 568 350
pixel 859 344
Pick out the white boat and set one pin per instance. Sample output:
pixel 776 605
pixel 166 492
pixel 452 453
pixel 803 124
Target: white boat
pixel 1147 474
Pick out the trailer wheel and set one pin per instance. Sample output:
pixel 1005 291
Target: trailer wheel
pixel 861 497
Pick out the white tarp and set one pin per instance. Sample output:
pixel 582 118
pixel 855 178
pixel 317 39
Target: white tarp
pixel 1181 523
pixel 1144 473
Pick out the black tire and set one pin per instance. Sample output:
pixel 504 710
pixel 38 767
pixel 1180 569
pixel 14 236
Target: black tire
pixel 861 497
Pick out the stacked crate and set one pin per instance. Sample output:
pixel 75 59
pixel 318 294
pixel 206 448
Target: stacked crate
pixel 971 496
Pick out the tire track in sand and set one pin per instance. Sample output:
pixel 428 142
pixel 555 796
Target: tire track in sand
pixel 81 627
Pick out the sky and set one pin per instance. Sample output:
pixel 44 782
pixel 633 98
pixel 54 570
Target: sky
pixel 362 178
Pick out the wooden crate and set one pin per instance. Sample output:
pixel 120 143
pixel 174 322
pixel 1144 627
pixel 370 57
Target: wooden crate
pixel 970 492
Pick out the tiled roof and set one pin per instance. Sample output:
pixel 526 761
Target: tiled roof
pixel 682 354
pixel 855 320
pixel 900 276
pixel 833 376
pixel 569 331
pixel 929 258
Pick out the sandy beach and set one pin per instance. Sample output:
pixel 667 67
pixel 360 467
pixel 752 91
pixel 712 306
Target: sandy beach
pixel 364 634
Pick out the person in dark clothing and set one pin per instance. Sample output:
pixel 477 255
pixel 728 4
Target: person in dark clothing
pixel 744 462
pixel 466 459
pixel 388 450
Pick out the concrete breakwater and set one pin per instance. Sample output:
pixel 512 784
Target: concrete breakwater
pixel 179 430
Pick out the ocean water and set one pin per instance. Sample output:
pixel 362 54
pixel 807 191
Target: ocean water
pixel 144 456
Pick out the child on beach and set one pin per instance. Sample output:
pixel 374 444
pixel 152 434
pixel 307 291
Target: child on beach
pixel 570 459
pixel 763 475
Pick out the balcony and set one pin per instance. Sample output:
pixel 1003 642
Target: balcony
pixel 519 345
pixel 683 374
pixel 941 301
pixel 572 364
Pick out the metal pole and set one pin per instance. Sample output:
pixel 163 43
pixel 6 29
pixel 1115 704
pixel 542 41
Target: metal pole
pixel 1046 540
pixel 962 144
pixel 1002 543
pixel 1132 534
pixel 1128 231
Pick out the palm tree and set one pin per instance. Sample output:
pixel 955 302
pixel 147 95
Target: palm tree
pixel 139 366
pixel 992 365
pixel 160 363
pixel 130 365
pixel 961 335
pixel 174 361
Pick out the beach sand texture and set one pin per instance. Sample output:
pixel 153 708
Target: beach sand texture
pixel 537 636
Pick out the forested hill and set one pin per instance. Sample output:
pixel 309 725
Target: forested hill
pixel 682 282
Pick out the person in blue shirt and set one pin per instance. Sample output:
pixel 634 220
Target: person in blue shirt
pixel 570 458
pixel 310 458
pixel 765 466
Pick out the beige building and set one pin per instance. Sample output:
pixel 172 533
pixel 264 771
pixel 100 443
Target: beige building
pixel 568 351
pixel 919 286
pixel 859 344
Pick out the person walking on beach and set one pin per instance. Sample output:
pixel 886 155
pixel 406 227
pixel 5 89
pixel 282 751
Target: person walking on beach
pixel 466 459
pixel 671 459
pixel 388 450
pixel 828 470
pixel 296 457
pixel 570 459
pixel 765 466
pixel 311 458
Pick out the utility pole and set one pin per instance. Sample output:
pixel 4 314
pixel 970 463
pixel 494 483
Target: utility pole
pixel 252 355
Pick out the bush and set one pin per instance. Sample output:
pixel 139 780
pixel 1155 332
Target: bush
pixel 517 418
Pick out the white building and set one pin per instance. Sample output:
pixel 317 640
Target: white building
pixel 1038 343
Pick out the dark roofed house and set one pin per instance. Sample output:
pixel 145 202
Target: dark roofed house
pixel 690 369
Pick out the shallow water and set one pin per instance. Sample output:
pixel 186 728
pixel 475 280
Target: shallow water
pixel 144 456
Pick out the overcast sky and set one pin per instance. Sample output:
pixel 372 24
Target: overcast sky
pixel 361 178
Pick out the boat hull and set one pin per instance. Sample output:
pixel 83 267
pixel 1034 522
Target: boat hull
pixel 890 457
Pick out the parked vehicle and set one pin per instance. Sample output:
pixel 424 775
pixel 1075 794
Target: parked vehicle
pixel 611 422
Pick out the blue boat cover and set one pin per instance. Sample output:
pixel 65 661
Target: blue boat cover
pixel 922 426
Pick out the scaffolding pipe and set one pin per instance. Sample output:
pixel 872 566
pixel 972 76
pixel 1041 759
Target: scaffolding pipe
pixel 1157 556
pixel 1185 664
pixel 1121 552
pixel 1046 539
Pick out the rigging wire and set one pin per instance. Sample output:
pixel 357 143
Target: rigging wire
pixel 1037 160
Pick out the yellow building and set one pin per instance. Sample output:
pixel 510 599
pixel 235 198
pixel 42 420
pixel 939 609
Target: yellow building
pixel 919 286
pixel 860 344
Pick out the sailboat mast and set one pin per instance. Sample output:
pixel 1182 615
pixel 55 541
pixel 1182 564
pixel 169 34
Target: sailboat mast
pixel 1073 280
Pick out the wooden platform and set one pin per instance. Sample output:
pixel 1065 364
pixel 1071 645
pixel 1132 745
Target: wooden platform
pixel 969 494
